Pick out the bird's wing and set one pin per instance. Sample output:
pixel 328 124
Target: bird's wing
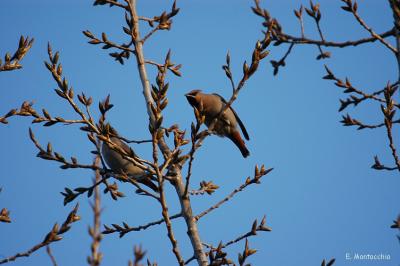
pixel 123 145
pixel 242 127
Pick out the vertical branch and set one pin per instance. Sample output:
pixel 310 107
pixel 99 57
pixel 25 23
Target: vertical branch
pixel 163 202
pixel 138 43
pixel 299 15
pixel 95 257
pixel 52 258
pixel 190 222
pixel 388 112
pixel 395 6
pixel 391 143
pixel 140 60
pixel 315 13
pixel 178 183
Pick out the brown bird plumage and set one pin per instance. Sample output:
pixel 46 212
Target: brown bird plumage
pixel 227 124
pixel 120 165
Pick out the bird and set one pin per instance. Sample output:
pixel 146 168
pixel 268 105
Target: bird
pixel 120 165
pixel 227 124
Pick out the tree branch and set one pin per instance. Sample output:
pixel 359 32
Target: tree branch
pixel 368 28
pixel 255 180
pixel 96 256
pixel 13 62
pixel 286 38
pixel 52 258
pixel 184 201
pixel 126 228
pixel 53 236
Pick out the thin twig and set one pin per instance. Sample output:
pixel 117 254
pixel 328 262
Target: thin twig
pixel 317 20
pixel 193 149
pixel 149 34
pixel 53 236
pixel 52 258
pixel 146 19
pixel 248 182
pixel 218 204
pixel 299 15
pixel 391 144
pixel 281 62
pixel 13 62
pixel 349 88
pixel 378 166
pixel 262 227
pixel 112 3
pixel 299 40
pixel 395 6
pixel 126 229
pixel 372 32
pixel 255 227
pixel 350 121
pixel 65 91
pixel 135 141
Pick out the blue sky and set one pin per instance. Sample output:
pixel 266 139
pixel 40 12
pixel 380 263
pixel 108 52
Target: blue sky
pixel 322 199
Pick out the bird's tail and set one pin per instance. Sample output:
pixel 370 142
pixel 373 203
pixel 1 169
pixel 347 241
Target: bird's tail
pixel 147 182
pixel 237 139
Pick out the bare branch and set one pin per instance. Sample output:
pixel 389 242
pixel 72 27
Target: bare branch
pixel 349 88
pixel 255 227
pixel 281 62
pixel 165 23
pixel 148 35
pixel 65 91
pixel 52 258
pixel 388 111
pixel 110 2
pixel 125 50
pixel 96 256
pixel 395 6
pixel 252 232
pixel 315 13
pixel 54 235
pixel 26 109
pixel 349 121
pixel 247 252
pixel 122 230
pixel 13 62
pixel 205 187
pixel 353 9
pixel 299 15
pixel 378 166
pixel 136 141
pixel 329 263
pixel 195 145
pixel 286 38
pixel 163 202
pixel 255 180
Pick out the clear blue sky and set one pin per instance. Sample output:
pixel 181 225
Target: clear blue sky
pixel 322 200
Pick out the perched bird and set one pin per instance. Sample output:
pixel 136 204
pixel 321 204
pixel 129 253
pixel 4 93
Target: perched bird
pixel 120 165
pixel 226 125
